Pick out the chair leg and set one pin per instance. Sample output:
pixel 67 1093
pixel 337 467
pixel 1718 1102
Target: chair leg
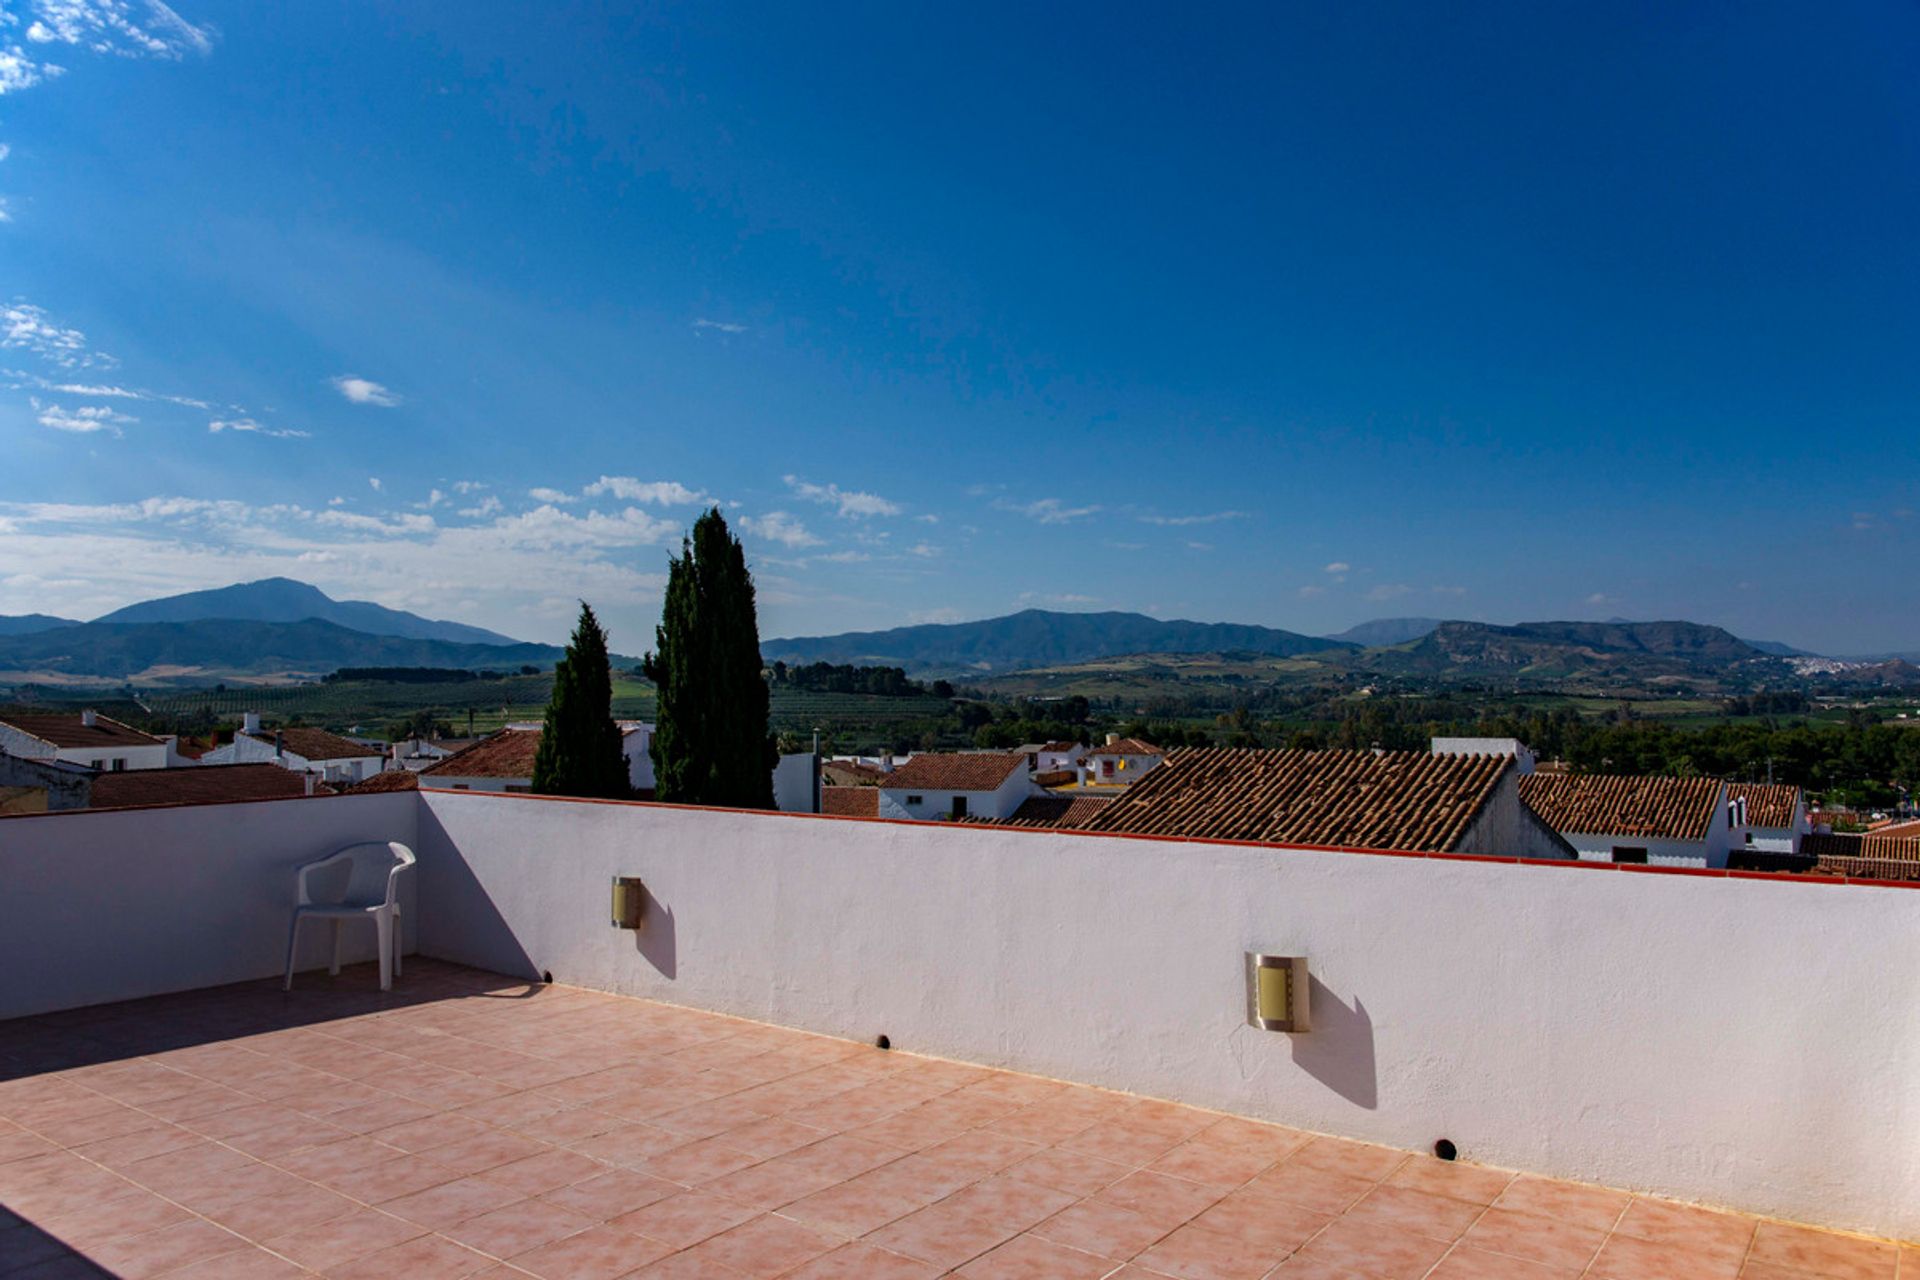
pixel 399 941
pixel 335 969
pixel 293 936
pixel 383 924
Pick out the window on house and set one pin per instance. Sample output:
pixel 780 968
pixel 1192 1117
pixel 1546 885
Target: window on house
pixel 119 764
pixel 1749 837
pixel 915 799
pixel 959 806
pixel 99 764
pixel 1630 853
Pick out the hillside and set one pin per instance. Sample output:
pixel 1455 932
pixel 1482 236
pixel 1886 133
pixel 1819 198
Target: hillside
pixel 1545 652
pixel 286 600
pixel 1386 631
pixel 25 624
pixel 1038 638
pixel 219 647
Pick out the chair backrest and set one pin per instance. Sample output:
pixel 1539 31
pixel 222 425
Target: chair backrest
pixel 367 872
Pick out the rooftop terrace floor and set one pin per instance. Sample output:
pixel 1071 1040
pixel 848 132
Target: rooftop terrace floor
pixel 468 1124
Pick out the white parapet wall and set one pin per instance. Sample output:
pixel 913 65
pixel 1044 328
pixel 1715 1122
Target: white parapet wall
pixel 115 904
pixel 1739 1042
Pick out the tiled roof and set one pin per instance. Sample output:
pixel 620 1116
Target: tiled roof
pixel 506 754
pixel 1905 830
pixel 316 744
pixel 1873 844
pixel 1857 857
pixel 851 773
pixel 1768 805
pixel 954 771
pixel 1125 747
pixel 1624 805
pixel 1058 748
pixel 67 731
pixel 198 784
pixel 1061 813
pixel 387 780
pixel 1380 800
pixel 850 802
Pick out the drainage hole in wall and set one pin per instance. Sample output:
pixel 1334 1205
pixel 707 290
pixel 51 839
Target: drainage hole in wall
pixel 883 1043
pixel 547 977
pixel 1446 1150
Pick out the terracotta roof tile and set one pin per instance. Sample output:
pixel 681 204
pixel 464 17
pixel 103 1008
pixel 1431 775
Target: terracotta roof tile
pixel 316 744
pixel 506 754
pixel 850 802
pixel 199 784
pixel 851 773
pixel 1061 813
pixel 1125 747
pixel 1362 799
pixel 1873 844
pixel 67 731
pixel 1624 805
pixel 1769 805
pixel 387 780
pixel 954 771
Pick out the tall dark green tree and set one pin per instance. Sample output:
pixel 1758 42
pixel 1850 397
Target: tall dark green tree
pixel 580 746
pixel 711 744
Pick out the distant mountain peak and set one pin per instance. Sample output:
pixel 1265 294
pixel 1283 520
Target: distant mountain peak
pixel 290 600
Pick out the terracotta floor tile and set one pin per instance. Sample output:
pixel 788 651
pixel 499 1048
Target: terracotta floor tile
pixel 855 1207
pixel 417 1136
pixel 438 1208
pixel 770 1136
pixel 1416 1211
pixel 1625 1257
pixel 390 1179
pixel 248 1263
pixel 686 1219
pixel 1263 1220
pixel 683 1266
pixel 1355 1159
pixel 1311 1188
pixel 1825 1253
pixel 331 1159
pixel 613 1193
pixel 764 1247
pixel 1663 1222
pixel 1235 1133
pixel 770 1184
pixel 943 1236
pixel 518 1227
pixel 343 1239
pixel 1104 1229
pixel 1570 1202
pixel 598 1253
pixel 1069 1171
pixel 863 1262
pixel 1195 1252
pixel 1028 1257
pixel 283 1211
pixel 548 1171
pixel 1042 1123
pixel 427 1258
pixel 1466 1263
pixel 695 1162
pixel 1548 1241
pixel 1363 1250
pixel 1472 1183
pixel 1222 1167
pixel 487 1151
pixel 1159 1198
pixel 630 1145
pixel 1121 1143
pixel 154 1253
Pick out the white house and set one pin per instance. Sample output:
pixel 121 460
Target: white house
pixel 1053 757
pixel 1776 815
pixel 1119 760
pixel 1674 822
pixel 86 738
pixel 332 757
pixel 955 785
pixel 504 761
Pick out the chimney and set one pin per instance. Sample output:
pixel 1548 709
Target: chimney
pixel 89 717
pixel 250 722
pixel 279 743
pixel 309 784
pixel 1112 738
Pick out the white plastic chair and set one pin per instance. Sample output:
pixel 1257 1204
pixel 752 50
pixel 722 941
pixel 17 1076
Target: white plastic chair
pixel 361 881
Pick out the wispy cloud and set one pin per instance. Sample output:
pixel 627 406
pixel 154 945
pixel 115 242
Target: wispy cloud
pixel 780 527
pixel 925 550
pixel 373 483
pixel 26 327
pixel 1310 591
pixel 365 391
pixel 249 427
pixel 487 506
pixel 1047 510
pixel 118 27
pixel 661 493
pixel 86 420
pixel 849 503
pixel 718 326
pixel 1211 517
pixel 543 494
pixel 1338 566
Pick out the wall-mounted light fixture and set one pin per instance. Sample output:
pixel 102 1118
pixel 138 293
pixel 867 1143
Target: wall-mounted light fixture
pixel 629 902
pixel 1278 988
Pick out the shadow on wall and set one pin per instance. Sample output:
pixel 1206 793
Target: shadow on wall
pixel 655 937
pixel 1339 1052
pixel 448 891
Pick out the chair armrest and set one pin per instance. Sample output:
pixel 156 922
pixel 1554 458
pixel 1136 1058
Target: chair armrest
pixel 317 864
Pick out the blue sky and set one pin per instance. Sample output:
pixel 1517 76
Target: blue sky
pixel 1289 316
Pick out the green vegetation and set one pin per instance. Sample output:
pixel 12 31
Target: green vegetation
pixel 580 747
pixel 824 677
pixel 712 744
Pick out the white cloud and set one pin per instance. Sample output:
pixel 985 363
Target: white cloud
pixel 849 503
pixel 780 527
pixel 487 506
pixel 1047 510
pixel 373 482
pixel 925 550
pixel 5 151
pixel 85 420
pixel 25 327
pixel 928 519
pixel 663 493
pixel 1199 546
pixel 113 391
pixel 249 426
pixel 119 27
pixel 544 494
pixel 365 391
pixel 718 326
pixel 1389 591
pixel 1339 566
pixel 468 486
pixel 1056 597
pixel 1311 591
pixel 1211 517
pixel 1601 597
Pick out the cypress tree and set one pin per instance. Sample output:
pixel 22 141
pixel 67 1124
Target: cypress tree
pixel 580 747
pixel 710 745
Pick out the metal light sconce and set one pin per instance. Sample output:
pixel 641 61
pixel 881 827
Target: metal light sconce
pixel 629 902
pixel 1277 992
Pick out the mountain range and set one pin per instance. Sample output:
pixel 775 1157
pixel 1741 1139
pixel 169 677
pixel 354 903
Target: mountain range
pixel 287 600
